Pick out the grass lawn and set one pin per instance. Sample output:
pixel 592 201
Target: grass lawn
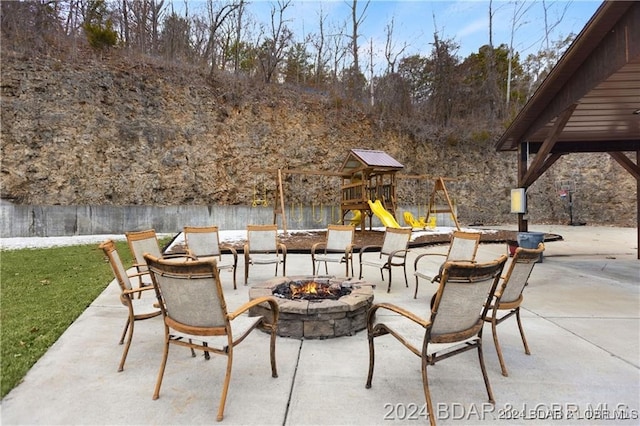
pixel 42 292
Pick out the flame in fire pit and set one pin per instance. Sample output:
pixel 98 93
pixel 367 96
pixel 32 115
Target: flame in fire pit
pixel 310 290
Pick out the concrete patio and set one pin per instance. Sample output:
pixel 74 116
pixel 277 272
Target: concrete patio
pixel 581 317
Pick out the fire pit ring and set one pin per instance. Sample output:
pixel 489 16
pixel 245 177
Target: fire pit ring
pixel 317 319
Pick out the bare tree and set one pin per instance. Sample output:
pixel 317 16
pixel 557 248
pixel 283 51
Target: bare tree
pixel 125 24
pixel 520 9
pixel 156 17
pixel 321 58
pixel 272 50
pixel 355 25
pixel 550 26
pixel 73 17
pixel 199 38
pixel 238 34
pixel 538 65
pixel 371 90
pixel 73 21
pixel 141 21
pixel 492 91
pixel 443 78
pixel 337 50
pixel 175 38
pixel 389 48
pixel 218 13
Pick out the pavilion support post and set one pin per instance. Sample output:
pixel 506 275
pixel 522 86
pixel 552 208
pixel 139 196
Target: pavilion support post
pixel 634 169
pixel 523 154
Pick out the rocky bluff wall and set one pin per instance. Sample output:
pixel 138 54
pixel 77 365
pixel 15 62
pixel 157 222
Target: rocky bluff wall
pixel 119 132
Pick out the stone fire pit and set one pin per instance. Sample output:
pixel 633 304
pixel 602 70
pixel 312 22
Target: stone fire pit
pixel 317 319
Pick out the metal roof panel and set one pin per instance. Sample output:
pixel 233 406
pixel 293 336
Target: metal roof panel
pixel 376 158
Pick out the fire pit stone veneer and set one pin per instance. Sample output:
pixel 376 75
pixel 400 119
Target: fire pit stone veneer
pixel 317 319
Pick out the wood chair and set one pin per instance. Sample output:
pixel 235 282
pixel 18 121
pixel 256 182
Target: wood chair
pixel 203 243
pixel 139 309
pixel 141 242
pixel 337 249
pixel 463 247
pixel 508 296
pixel 393 252
pixel 454 326
pixel 195 315
pixel 262 248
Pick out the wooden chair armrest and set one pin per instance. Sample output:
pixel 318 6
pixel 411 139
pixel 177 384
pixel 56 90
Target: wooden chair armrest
pixel 273 304
pixel 138 274
pixel 187 253
pixel 138 290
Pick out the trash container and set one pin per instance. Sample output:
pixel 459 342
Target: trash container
pixel 512 245
pixel 530 240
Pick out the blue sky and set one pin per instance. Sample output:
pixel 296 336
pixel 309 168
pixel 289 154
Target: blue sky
pixel 464 21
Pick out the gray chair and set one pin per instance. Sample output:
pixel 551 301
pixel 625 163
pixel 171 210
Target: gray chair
pixel 146 241
pixel 203 243
pixel 509 297
pixel 463 247
pixel 195 316
pixel 262 248
pixel 393 252
pixel 139 309
pixel 453 327
pixel 337 249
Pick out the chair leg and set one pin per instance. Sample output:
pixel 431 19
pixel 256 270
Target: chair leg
pixel 125 351
pixel 207 356
pixel 124 331
pixel 389 286
pixel 494 331
pixel 415 293
pixel 406 281
pixel 272 350
pixel 427 394
pixel 524 340
pixel 246 271
pixel 313 266
pixel 163 364
pixel 225 385
pixel 235 287
pixel 372 356
pixel 484 372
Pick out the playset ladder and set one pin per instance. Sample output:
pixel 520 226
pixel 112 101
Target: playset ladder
pixel 439 186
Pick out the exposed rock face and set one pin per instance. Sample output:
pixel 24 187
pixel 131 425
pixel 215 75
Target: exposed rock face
pixel 121 132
